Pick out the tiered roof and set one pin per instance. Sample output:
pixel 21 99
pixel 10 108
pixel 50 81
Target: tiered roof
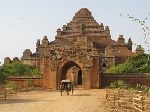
pixel 83 23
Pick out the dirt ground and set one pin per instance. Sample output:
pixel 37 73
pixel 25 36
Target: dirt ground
pixel 51 101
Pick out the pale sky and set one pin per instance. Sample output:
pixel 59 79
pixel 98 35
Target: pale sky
pixel 22 22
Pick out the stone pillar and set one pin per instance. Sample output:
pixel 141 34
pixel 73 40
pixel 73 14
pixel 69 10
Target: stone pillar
pixel 46 74
pixel 86 78
pixel 54 79
pixel 95 71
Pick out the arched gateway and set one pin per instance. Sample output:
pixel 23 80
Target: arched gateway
pixel 70 71
pixel 81 50
pixel 77 70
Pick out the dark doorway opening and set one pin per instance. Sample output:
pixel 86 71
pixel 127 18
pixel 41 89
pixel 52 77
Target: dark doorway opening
pixel 80 77
pixel 104 64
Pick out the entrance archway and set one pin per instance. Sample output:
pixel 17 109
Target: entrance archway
pixel 80 77
pixel 71 71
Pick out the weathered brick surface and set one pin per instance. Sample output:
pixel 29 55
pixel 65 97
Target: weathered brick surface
pixel 76 45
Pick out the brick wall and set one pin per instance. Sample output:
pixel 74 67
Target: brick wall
pixel 105 80
pixel 132 79
pixel 37 82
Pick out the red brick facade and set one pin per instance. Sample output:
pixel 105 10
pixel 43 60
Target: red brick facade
pixel 81 50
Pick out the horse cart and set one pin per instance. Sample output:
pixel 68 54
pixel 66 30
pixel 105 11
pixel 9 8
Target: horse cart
pixel 66 86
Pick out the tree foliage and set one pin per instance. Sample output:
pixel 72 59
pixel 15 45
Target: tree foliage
pixel 18 69
pixel 136 64
pixel 2 77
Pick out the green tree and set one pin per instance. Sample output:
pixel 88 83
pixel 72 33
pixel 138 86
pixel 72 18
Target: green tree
pixel 137 64
pixel 18 69
pixel 2 77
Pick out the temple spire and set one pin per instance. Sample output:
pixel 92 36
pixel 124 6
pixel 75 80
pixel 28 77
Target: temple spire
pixel 83 13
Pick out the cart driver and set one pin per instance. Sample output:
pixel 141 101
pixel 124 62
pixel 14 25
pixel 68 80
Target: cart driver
pixel 68 86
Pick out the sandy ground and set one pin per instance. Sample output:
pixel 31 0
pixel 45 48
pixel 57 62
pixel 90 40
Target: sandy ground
pixel 51 101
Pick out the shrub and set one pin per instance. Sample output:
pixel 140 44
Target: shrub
pixel 28 83
pixel 139 87
pixel 35 72
pixel 11 86
pixel 119 84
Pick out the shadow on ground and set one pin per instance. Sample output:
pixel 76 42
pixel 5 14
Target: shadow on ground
pixel 82 95
pixel 11 101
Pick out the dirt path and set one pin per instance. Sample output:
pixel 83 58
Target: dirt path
pixel 51 101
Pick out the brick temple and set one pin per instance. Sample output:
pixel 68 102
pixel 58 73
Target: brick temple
pixel 82 49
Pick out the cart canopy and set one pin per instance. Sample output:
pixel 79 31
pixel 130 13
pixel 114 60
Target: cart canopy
pixel 66 81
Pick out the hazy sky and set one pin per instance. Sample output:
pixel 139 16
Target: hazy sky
pixel 22 22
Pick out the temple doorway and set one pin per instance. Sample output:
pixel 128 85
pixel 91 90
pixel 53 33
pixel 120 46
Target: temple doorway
pixel 80 77
pixel 72 71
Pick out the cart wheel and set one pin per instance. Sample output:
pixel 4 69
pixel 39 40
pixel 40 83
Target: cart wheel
pixel 67 92
pixel 72 90
pixel 61 91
